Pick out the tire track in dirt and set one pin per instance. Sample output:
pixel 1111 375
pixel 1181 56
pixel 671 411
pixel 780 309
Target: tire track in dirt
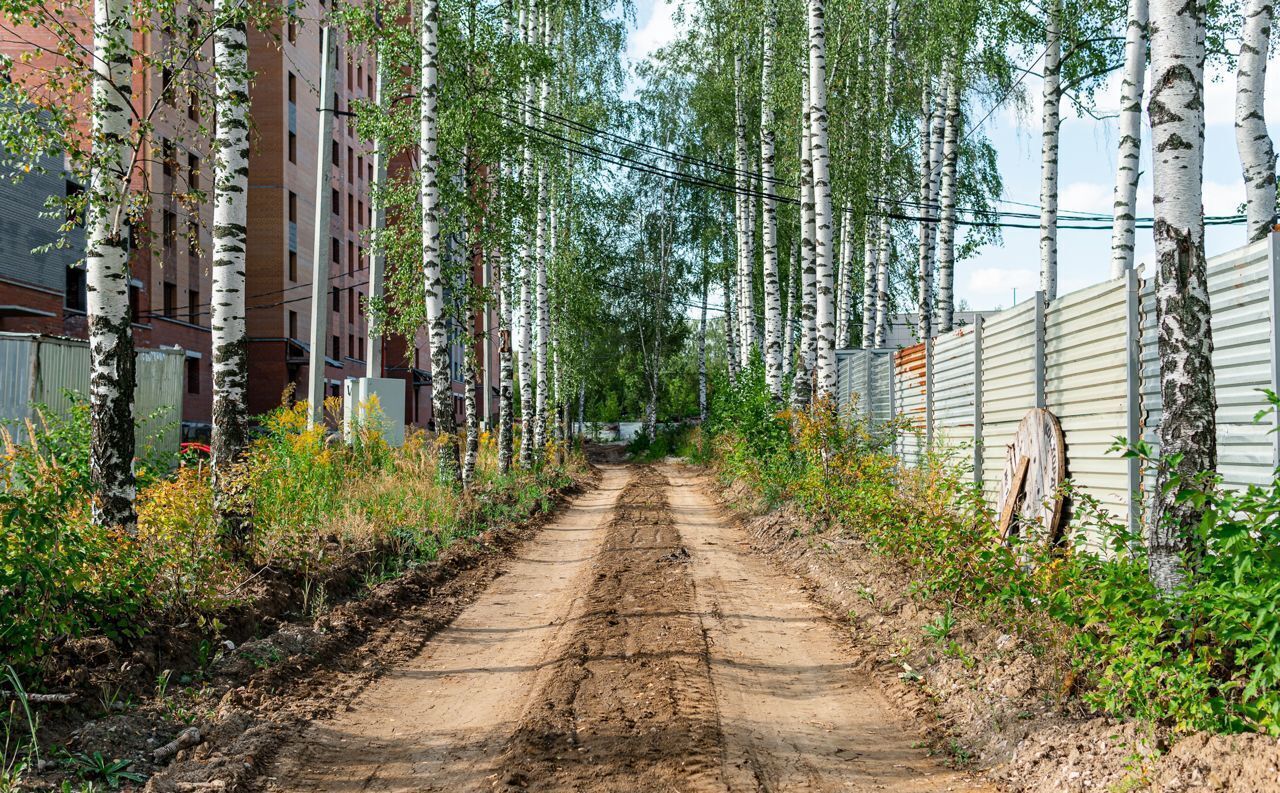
pixel 440 720
pixel 795 713
pixel 631 706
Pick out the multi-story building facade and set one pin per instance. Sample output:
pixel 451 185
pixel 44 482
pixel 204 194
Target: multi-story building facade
pixel 171 258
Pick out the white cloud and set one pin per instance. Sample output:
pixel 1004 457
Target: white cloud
pixel 1085 197
pixel 995 285
pixel 656 32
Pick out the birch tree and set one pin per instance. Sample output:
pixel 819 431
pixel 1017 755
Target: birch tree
pixel 540 259
pixel 844 297
pixel 1257 155
pixel 506 407
pixel 947 204
pixel 1129 156
pixel 802 388
pixel 111 363
pixel 1050 125
pixel 924 273
pixel 742 203
pixel 227 302
pixel 824 312
pixel 432 265
pixel 769 222
pixel 527 413
pixel 1188 437
pixel 884 237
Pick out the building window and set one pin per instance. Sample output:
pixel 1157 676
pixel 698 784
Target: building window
pixel 351 344
pixel 359 75
pixel 350 165
pixel 193 172
pixel 360 166
pixel 293 207
pixel 135 304
pixel 293 266
pixel 293 324
pixel 336 151
pixel 337 298
pixel 193 238
pixel 76 292
pixel 360 303
pixel 360 341
pixel 293 148
pixel 170 300
pixel 351 305
pixel 168 156
pixel 193 375
pixel 337 349
pixel 193 306
pixel 170 228
pixel 335 250
pixel 369 84
pixel 351 258
pixel 351 214
pixel 336 200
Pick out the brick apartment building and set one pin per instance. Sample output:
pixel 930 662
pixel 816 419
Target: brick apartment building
pixel 171 276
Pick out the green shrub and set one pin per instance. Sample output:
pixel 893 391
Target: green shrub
pixel 1204 658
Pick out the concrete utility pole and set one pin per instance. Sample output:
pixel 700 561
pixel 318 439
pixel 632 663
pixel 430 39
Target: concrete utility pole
pixel 320 247
pixel 377 258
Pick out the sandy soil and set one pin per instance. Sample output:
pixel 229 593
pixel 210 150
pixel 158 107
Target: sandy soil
pixel 634 644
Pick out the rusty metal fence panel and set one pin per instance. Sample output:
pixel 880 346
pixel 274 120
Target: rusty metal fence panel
pixel 910 384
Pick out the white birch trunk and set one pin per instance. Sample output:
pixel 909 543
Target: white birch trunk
pixel 1128 157
pixel 870 257
pixel 227 301
pixel 527 418
pixel 924 261
pixel 742 180
pixel 1257 156
pixel 470 382
pixel 731 325
pixel 432 264
pixel 885 236
pixel 824 309
pixel 1050 125
pixel 792 321
pixel 544 316
pixel 769 231
pixel 844 301
pixel 702 351
pixel 111 362
pixel 1176 110
pixel 506 408
pixel 802 384
pixel 947 205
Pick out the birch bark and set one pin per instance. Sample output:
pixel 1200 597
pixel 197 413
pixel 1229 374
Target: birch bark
pixel 702 350
pixel 227 301
pixel 870 256
pixel 502 299
pixel 885 238
pixel 432 265
pixel 947 205
pixel 1050 127
pixel 1128 158
pixel 111 362
pixel 769 221
pixel 540 287
pixel 792 321
pixel 1257 155
pixel 527 417
pixel 824 291
pixel 844 301
pixel 743 204
pixel 924 273
pixel 1187 427
pixel 802 386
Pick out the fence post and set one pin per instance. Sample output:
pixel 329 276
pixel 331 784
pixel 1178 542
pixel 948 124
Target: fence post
pixel 977 397
pixel 1133 392
pixel 1039 353
pixel 1273 274
pixel 928 393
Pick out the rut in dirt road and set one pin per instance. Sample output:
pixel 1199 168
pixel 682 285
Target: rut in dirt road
pixel 635 644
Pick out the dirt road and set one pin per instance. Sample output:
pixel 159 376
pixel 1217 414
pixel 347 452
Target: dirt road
pixel 636 644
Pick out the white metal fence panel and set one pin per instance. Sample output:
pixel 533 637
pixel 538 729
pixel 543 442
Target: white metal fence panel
pixel 881 386
pixel 1240 302
pixel 15 381
pixel 1086 387
pixel 1008 384
pixel 954 381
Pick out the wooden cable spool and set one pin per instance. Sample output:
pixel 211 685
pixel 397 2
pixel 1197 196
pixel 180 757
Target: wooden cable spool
pixel 1035 466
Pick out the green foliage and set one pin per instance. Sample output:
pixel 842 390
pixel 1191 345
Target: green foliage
pixel 315 506
pixel 1206 657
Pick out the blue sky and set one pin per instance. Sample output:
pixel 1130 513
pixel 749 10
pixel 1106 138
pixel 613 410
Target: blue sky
pixel 1088 158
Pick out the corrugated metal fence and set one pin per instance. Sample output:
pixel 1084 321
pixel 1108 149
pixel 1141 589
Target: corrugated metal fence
pixel 51 371
pixel 1089 357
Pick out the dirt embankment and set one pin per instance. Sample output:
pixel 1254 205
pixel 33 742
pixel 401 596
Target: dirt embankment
pixel 982 694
